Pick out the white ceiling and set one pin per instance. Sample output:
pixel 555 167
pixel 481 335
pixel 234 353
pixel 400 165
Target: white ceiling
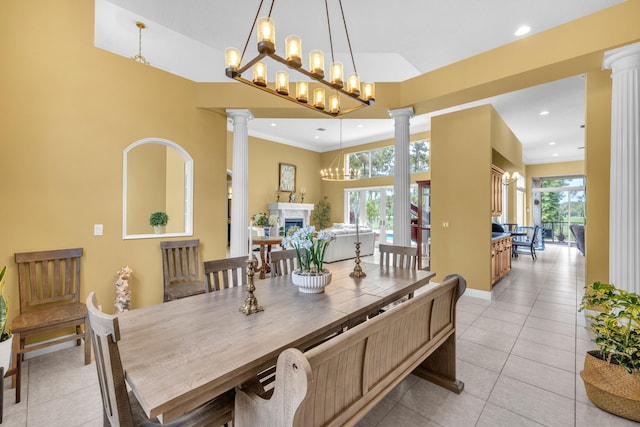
pixel 411 37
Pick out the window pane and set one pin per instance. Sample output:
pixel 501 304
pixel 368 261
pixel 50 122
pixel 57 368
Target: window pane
pixel 382 162
pixel 359 161
pixel 419 156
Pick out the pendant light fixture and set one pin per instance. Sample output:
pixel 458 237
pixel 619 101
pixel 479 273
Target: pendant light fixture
pixel 139 58
pixel 339 89
pixel 339 169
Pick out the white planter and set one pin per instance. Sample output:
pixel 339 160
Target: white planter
pixel 159 229
pixel 311 283
pixel 5 353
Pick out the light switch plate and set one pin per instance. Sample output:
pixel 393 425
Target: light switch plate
pixel 97 229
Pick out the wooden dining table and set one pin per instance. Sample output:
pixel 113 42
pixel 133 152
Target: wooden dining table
pixel 180 354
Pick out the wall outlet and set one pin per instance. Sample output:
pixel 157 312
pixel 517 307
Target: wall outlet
pixel 97 229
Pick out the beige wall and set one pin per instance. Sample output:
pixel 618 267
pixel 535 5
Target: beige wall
pixel 67 112
pixel 597 161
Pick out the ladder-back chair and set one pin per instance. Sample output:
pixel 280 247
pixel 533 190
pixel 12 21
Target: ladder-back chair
pixel 181 269
pixel 398 256
pixel 49 283
pixel 224 273
pixel 283 262
pixel 121 408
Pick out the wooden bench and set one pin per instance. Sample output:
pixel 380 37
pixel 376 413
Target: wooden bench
pixel 339 381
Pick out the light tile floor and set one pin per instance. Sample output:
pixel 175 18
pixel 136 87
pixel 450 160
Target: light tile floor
pixel 519 356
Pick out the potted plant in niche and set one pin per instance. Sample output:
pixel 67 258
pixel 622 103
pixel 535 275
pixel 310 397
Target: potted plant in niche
pixel 611 374
pixel 311 277
pixel 6 337
pixel 158 220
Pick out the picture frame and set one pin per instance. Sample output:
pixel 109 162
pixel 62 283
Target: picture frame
pixel 287 177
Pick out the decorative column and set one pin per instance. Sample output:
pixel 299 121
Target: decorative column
pixel 240 183
pixel 624 193
pixel 401 181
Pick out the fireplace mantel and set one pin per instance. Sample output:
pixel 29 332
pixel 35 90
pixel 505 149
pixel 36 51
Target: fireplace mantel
pixel 292 210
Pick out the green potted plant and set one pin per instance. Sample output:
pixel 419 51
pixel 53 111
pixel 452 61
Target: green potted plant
pixel 265 221
pixel 158 220
pixel 6 337
pixel 611 374
pixel 322 214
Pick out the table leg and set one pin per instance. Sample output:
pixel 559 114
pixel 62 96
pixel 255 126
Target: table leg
pixel 263 267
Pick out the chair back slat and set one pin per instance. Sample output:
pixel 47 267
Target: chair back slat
pixel 398 256
pixel 48 277
pixel 181 269
pixel 224 273
pixel 283 262
pixel 105 335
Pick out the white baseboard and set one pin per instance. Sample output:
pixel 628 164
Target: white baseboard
pixel 475 293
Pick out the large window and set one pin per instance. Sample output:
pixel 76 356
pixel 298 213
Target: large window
pixel 380 161
pixel 559 202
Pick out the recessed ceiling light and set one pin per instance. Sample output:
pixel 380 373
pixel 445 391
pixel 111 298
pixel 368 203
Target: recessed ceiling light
pixel 552 143
pixel 316 137
pixel 555 154
pixel 521 31
pixel 360 125
pixel 273 124
pixel 544 113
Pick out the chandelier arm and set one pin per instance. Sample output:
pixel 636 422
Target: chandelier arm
pixel 239 78
pixel 326 6
pixel 253 25
pixel 344 21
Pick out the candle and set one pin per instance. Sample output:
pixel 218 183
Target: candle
pixel 250 240
pixel 357 229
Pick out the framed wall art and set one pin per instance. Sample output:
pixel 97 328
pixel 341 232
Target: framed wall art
pixel 287 177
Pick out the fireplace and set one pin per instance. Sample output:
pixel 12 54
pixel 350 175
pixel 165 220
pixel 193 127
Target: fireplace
pixel 292 222
pixel 290 214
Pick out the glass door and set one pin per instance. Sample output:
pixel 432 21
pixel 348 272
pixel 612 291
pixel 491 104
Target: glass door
pixel 374 208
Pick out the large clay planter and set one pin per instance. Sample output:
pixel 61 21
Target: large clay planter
pixel 611 387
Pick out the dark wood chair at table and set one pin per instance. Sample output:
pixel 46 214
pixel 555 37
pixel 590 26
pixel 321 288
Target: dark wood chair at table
pixel 121 408
pixel 529 242
pixel 283 262
pixel 181 269
pixel 225 273
pixel 49 283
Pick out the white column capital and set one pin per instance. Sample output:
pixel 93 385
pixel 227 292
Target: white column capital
pixel 237 113
pixel 622 58
pixel 401 112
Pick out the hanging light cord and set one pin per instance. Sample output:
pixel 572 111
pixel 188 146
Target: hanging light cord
pixel 344 21
pixel 253 26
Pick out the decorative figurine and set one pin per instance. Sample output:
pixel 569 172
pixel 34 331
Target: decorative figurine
pixel 123 291
pixel 292 197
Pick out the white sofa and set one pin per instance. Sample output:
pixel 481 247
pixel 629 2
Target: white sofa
pixel 344 248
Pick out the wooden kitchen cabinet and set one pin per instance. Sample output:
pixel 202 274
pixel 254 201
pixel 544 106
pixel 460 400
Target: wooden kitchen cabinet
pixel 496 190
pixel 500 258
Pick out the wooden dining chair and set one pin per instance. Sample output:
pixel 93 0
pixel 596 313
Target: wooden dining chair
pixel 225 273
pixel 399 256
pixel 49 286
pixel 181 269
pixel 121 408
pixel 283 262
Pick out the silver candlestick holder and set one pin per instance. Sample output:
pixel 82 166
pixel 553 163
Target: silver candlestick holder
pixel 357 270
pixel 250 304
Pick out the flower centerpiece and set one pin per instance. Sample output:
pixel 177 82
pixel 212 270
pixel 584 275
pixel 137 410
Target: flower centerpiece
pixel 265 221
pixel 310 246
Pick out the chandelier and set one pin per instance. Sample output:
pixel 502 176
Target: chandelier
pixel 310 96
pixel 139 57
pixel 338 170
